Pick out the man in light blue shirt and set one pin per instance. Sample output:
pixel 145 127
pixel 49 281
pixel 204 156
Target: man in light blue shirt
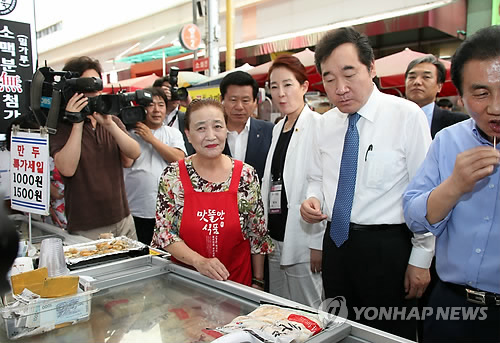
pixel 455 195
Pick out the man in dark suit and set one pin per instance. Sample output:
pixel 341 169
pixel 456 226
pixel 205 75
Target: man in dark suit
pixel 424 79
pixel 248 138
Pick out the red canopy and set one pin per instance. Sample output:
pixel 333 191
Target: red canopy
pixel 306 56
pixel 391 72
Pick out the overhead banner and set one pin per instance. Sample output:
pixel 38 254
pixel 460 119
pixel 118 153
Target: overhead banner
pixel 17 56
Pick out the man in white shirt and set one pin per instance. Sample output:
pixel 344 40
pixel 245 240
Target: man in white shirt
pixel 248 139
pixel 174 117
pixel 160 145
pixel 378 263
pixel 424 78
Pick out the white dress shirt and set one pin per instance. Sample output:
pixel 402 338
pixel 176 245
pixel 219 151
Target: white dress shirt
pixel 141 180
pixel 238 142
pixel 170 116
pixel 393 141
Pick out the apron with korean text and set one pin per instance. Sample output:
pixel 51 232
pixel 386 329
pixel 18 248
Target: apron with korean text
pixel 210 225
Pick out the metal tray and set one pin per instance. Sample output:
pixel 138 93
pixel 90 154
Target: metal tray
pixel 129 248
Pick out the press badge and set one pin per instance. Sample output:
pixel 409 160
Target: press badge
pixel 275 197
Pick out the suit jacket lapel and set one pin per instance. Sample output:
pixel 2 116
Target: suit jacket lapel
pixel 253 135
pixel 436 121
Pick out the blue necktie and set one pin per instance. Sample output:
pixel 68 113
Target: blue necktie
pixel 341 215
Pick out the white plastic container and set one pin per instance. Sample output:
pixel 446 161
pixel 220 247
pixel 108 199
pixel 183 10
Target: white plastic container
pixel 46 314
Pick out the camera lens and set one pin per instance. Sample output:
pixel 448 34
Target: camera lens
pixel 182 93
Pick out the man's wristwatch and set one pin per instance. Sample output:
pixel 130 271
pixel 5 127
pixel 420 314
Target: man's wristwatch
pixel 258 282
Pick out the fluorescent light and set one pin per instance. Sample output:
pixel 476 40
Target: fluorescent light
pixel 150 45
pixel 200 53
pixel 445 57
pixel 126 51
pixel 352 22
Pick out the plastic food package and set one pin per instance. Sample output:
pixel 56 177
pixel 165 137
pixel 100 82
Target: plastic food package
pixel 271 323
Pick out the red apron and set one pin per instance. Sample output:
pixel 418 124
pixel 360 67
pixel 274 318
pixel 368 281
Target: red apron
pixel 210 225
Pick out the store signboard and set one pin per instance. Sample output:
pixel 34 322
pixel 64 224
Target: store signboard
pixel 17 56
pixel 201 64
pixel 29 172
pixel 205 93
pixel 190 37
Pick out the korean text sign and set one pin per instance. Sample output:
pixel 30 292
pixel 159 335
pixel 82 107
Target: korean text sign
pixel 29 172
pixel 17 56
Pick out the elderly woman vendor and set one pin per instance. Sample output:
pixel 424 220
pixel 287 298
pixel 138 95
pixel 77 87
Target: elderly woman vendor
pixel 209 211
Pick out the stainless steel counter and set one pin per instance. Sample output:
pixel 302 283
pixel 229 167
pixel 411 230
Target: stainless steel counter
pixel 150 299
pixel 40 231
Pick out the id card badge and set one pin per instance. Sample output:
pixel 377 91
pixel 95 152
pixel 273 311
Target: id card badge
pixel 275 197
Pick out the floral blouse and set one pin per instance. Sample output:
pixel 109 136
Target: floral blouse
pixel 170 205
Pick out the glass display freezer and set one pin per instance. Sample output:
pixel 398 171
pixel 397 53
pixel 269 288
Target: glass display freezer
pixel 151 299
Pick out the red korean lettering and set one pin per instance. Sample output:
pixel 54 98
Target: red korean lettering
pixel 10 83
pixel 20 150
pixel 35 151
pixel 39 167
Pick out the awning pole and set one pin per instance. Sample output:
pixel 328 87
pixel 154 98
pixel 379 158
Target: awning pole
pixel 230 58
pixel 213 37
pixel 163 59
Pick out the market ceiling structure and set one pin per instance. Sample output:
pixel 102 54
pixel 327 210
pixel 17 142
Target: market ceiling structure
pixel 169 50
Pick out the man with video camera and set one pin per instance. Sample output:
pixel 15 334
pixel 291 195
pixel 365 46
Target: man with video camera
pixel 176 96
pixel 90 155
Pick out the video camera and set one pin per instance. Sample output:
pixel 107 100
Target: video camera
pixel 49 96
pixel 176 92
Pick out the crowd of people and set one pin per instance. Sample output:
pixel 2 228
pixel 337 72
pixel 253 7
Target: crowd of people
pixel 354 203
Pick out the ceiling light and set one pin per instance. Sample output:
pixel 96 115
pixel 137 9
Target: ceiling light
pixel 152 44
pixel 127 51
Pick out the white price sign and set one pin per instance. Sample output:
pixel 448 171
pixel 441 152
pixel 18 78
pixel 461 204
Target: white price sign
pixel 29 172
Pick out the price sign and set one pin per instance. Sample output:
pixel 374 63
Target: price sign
pixel 29 172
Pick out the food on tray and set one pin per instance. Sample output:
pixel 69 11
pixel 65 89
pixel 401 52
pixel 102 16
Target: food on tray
pixel 107 235
pixel 97 248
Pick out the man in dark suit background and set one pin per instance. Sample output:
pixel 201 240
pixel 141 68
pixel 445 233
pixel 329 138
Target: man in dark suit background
pixel 248 139
pixel 424 79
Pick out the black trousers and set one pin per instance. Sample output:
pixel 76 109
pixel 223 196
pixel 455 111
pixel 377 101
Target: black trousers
pixel 368 270
pixel 145 229
pixel 424 300
pixel 484 326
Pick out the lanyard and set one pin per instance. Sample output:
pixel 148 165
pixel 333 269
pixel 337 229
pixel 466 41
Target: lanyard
pixel 172 121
